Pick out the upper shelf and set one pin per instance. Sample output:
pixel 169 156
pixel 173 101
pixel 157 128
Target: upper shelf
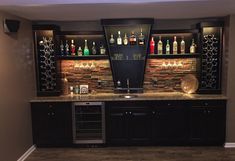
pixel 90 57
pixel 173 56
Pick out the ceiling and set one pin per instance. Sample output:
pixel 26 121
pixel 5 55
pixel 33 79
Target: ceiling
pixel 79 10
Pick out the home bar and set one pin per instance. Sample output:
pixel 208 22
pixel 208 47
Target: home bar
pixel 129 84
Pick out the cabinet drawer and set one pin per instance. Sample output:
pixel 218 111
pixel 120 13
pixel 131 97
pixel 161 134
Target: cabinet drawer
pixel 209 103
pixel 168 104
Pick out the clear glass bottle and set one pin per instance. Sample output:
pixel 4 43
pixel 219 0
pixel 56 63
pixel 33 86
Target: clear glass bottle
pixel 132 39
pixel 66 47
pixel 175 46
pixel 160 46
pixel 79 51
pixel 152 46
pixel 61 48
pixel 193 47
pixel 102 49
pixel 86 50
pixel 168 47
pixel 141 38
pixel 119 38
pixel 93 49
pixel 182 46
pixel 111 40
pixel 125 40
pixel 72 48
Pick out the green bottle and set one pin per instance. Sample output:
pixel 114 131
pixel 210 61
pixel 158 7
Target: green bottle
pixel 86 50
pixel 167 47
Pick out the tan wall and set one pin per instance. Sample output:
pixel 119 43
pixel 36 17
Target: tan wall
pixel 231 82
pixel 17 86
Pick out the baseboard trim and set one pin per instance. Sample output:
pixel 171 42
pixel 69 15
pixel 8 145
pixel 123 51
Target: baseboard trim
pixel 27 153
pixel 229 145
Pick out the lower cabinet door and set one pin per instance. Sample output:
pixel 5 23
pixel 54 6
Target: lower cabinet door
pixel 215 127
pixel 169 126
pixel 116 127
pixel 208 122
pixel 51 124
pixel 139 126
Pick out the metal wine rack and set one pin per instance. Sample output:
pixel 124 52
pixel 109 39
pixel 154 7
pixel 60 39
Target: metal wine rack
pixel 210 53
pixel 47 64
pixel 211 56
pixel 45 51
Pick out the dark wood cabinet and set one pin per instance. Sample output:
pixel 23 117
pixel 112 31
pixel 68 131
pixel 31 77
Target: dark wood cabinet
pixel 52 124
pixel 128 123
pixel 207 122
pixel 169 123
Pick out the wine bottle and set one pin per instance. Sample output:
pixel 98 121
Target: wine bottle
pixel 193 47
pixel 93 49
pixel 152 46
pixel 79 51
pixel 119 38
pixel 86 50
pixel 111 40
pixel 132 39
pixel 168 47
pixel 182 46
pixel 72 48
pixel 175 46
pixel 66 48
pixel 159 46
pixel 141 38
pixel 61 48
pixel 125 40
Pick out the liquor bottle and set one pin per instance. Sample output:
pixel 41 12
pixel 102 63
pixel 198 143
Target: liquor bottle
pixel 72 48
pixel 175 46
pixel 79 51
pixel 141 38
pixel 111 40
pixel 193 47
pixel 102 49
pixel 132 38
pixel 152 46
pixel 61 48
pixel 182 46
pixel 125 40
pixel 119 39
pixel 93 49
pixel 66 48
pixel 86 50
pixel 168 47
pixel 160 46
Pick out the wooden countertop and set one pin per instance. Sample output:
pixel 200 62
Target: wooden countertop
pixel 140 97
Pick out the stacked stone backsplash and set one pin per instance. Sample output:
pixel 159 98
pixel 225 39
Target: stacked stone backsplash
pixel 161 75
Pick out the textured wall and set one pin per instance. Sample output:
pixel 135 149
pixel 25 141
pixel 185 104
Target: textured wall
pixel 166 73
pixel 17 86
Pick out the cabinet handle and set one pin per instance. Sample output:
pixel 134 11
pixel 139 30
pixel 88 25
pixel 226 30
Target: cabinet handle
pixel 130 113
pixel 52 113
pixel 205 111
pixel 48 114
pixel 126 113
